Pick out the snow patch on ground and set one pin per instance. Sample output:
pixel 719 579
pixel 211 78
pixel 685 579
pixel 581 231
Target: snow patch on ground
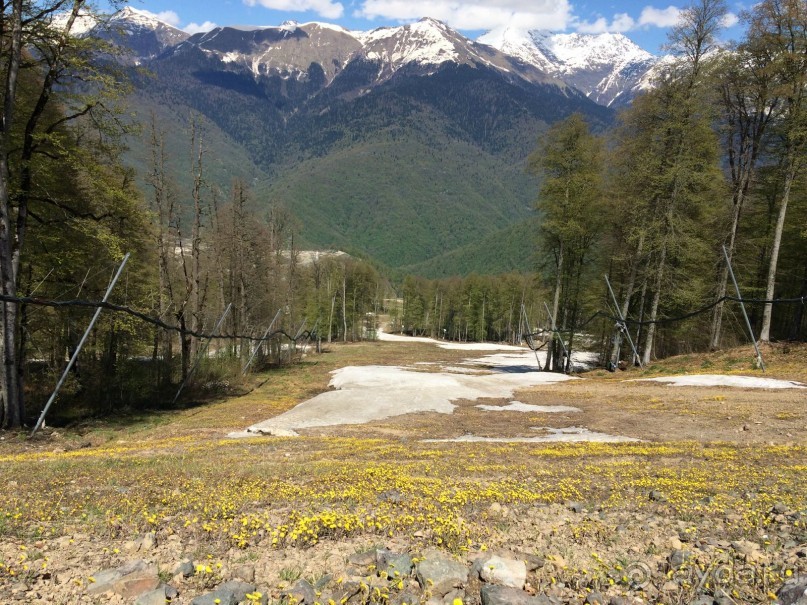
pixel 454 346
pixel 526 359
pixel 367 393
pixel 567 435
pixel 719 380
pixel 517 406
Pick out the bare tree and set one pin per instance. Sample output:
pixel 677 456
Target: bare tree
pixel 781 26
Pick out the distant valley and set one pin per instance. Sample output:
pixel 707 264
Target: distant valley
pixel 405 145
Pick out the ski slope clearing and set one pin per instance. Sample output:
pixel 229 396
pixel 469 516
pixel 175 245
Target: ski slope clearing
pixel 720 380
pixel 452 346
pixel 368 393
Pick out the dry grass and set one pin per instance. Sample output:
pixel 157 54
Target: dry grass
pixel 176 475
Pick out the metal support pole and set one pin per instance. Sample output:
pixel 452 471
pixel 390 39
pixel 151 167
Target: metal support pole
pixel 73 358
pixel 742 306
pixel 526 322
pixel 636 359
pixel 311 332
pixel 260 343
pixel 560 337
pixel 202 352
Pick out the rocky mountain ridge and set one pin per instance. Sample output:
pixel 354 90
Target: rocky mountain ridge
pixel 607 68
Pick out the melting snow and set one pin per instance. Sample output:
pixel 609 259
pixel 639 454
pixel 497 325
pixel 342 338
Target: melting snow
pixel 719 380
pixel 517 406
pixel 567 435
pixel 367 393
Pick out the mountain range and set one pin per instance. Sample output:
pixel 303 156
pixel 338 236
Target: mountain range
pixel 403 144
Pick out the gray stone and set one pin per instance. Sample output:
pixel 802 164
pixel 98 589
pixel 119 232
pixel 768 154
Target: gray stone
pixel 504 595
pixel 392 562
pixel 657 496
pixel 409 598
pixel 171 592
pixel 347 592
pixel 779 508
pixel 575 507
pixel 794 592
pixel 149 542
pixel 210 599
pixel 498 570
pixel 703 600
pixel 184 567
pixel 678 557
pixel 323 581
pixel 362 559
pixel 244 572
pixel 534 562
pixel 440 574
pixel 303 592
pixel 152 597
pixel 750 550
pixel 595 598
pixel 129 580
pixel 228 593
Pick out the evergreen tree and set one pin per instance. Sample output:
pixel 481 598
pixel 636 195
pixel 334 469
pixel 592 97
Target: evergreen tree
pixel 570 202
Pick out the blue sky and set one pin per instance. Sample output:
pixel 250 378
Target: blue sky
pixel 646 23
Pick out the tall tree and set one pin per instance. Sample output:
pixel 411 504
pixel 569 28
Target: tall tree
pixel 58 61
pixel 781 27
pixel 677 132
pixel 748 103
pixel 570 161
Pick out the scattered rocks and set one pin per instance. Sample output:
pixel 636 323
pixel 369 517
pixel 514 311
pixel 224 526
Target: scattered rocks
pixel 794 592
pixel 148 542
pixel 393 564
pixel 183 568
pixel 498 570
pixel 750 551
pixel 575 507
pixel 128 581
pixel 440 574
pixel 302 592
pixel 503 595
pixel 244 572
pixel 157 596
pixel 678 557
pixel 228 593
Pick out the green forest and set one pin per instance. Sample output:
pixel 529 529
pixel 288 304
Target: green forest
pixel 711 159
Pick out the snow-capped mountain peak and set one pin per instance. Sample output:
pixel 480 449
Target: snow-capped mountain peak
pixel 139 31
pixel 134 16
pixel 425 42
pixel 603 66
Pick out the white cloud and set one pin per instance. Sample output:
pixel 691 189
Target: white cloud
pixel 169 17
pixel 623 22
pixel 730 20
pixel 195 28
pixel 482 14
pixel 659 17
pixel 324 8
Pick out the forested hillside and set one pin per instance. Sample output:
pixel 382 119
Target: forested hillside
pixel 511 191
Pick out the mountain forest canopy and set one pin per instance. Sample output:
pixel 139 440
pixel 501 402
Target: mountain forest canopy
pixel 462 194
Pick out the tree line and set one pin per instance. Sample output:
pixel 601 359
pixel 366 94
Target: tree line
pixel 712 156
pixel 70 210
